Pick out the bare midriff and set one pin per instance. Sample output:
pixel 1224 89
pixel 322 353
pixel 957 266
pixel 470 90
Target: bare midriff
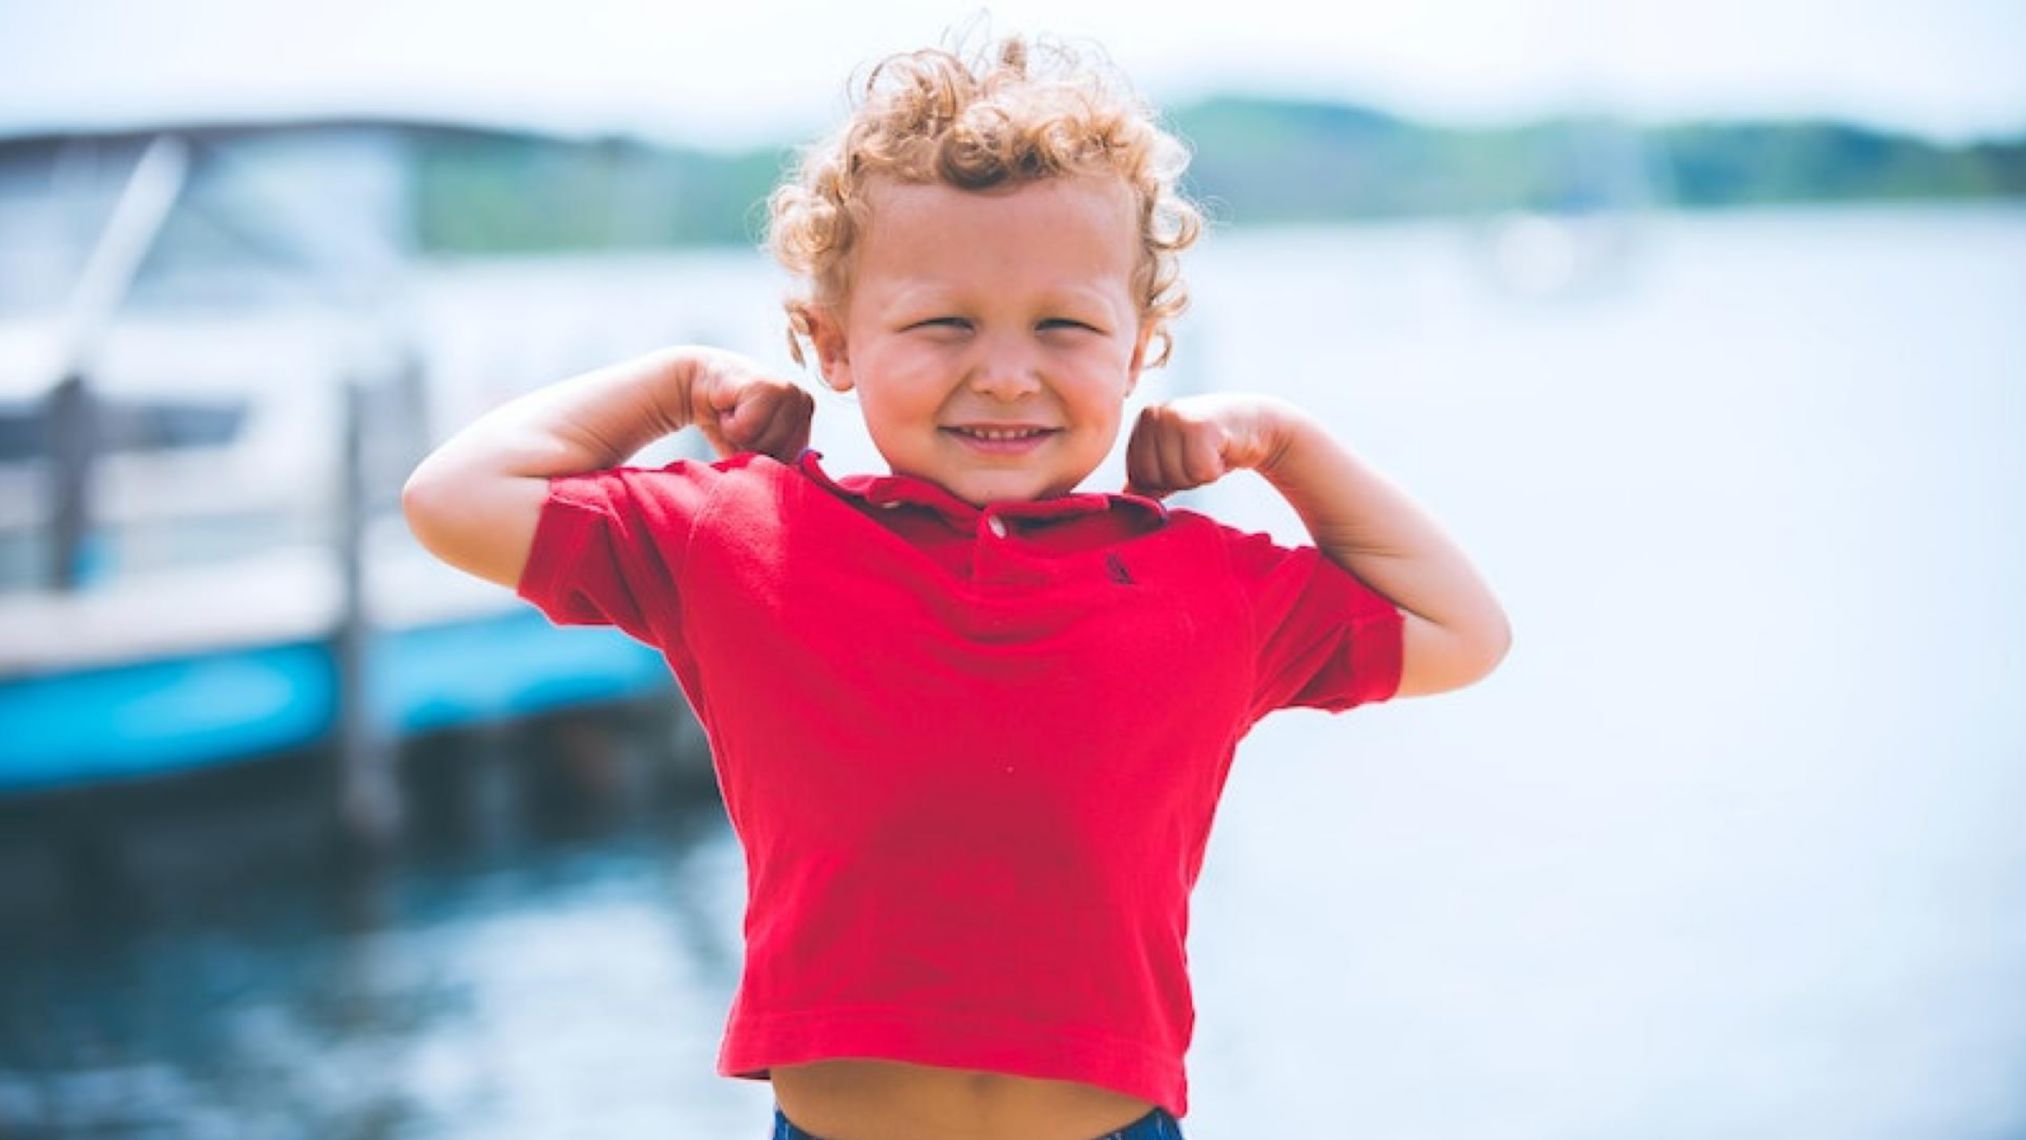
pixel 860 1099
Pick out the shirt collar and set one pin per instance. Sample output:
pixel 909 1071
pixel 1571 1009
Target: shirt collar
pixel 885 490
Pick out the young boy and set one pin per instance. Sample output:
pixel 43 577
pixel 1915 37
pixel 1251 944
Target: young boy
pixel 970 723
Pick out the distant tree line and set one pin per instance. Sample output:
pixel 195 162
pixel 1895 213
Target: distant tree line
pixel 1257 161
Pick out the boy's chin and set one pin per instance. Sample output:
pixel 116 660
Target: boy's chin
pixel 984 486
pixel 988 496
pixel 989 491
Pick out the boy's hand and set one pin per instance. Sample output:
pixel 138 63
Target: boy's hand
pixel 739 408
pixel 1200 439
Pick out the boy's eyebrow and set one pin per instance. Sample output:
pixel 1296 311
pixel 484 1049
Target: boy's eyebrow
pixel 927 294
pixel 912 293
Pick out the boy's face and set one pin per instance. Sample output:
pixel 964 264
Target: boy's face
pixel 992 336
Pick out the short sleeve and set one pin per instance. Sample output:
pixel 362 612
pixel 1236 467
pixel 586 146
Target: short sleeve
pixel 609 547
pixel 1323 639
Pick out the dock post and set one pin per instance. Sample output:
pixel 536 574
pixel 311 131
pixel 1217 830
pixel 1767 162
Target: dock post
pixel 369 796
pixel 71 418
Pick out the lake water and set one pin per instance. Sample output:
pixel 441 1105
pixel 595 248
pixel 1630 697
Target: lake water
pixel 1730 847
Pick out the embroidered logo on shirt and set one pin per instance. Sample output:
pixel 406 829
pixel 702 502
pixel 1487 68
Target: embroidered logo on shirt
pixel 1116 569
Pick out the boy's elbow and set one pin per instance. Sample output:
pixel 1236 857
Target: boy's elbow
pixel 433 504
pixel 421 504
pixel 1441 659
pixel 481 524
pixel 1495 644
pixel 1479 658
pixel 436 493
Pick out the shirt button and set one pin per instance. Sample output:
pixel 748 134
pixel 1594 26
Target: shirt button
pixel 997 526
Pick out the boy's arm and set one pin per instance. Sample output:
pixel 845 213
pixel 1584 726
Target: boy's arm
pixel 1455 630
pixel 475 500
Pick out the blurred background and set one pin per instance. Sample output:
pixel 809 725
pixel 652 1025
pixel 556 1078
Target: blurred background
pixel 1702 327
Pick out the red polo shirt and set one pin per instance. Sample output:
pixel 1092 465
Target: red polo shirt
pixel 972 755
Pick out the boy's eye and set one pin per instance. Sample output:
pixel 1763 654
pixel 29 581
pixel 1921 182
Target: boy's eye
pixel 1066 323
pixel 942 323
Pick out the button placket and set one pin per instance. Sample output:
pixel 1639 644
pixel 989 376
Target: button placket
pixel 987 556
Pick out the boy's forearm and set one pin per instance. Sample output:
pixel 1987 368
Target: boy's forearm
pixel 589 422
pixel 1368 526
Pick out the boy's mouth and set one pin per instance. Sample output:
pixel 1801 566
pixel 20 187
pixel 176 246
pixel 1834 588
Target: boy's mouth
pixel 1000 439
pixel 999 434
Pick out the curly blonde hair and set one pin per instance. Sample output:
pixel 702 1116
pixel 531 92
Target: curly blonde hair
pixel 1018 113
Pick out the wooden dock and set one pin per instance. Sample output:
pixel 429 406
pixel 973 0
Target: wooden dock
pixel 201 559
pixel 195 666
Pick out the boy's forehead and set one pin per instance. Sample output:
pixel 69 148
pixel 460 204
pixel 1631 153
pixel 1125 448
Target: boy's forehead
pixel 1105 203
pixel 885 193
pixel 910 220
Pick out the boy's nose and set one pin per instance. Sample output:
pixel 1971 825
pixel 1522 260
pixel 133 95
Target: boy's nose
pixel 1005 373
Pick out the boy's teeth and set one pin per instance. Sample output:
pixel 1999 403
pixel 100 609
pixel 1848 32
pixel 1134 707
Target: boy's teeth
pixel 1001 433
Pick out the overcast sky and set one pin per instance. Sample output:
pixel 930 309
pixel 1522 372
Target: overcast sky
pixel 730 72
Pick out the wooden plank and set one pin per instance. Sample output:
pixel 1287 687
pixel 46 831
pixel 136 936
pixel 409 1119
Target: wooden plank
pixel 179 670
pixel 289 594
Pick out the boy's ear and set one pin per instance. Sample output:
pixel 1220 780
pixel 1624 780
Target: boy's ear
pixel 832 359
pixel 1139 356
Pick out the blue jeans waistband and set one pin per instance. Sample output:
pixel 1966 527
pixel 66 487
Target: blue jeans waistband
pixel 1155 1125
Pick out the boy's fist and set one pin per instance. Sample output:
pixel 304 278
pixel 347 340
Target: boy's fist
pixel 739 408
pixel 1200 439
